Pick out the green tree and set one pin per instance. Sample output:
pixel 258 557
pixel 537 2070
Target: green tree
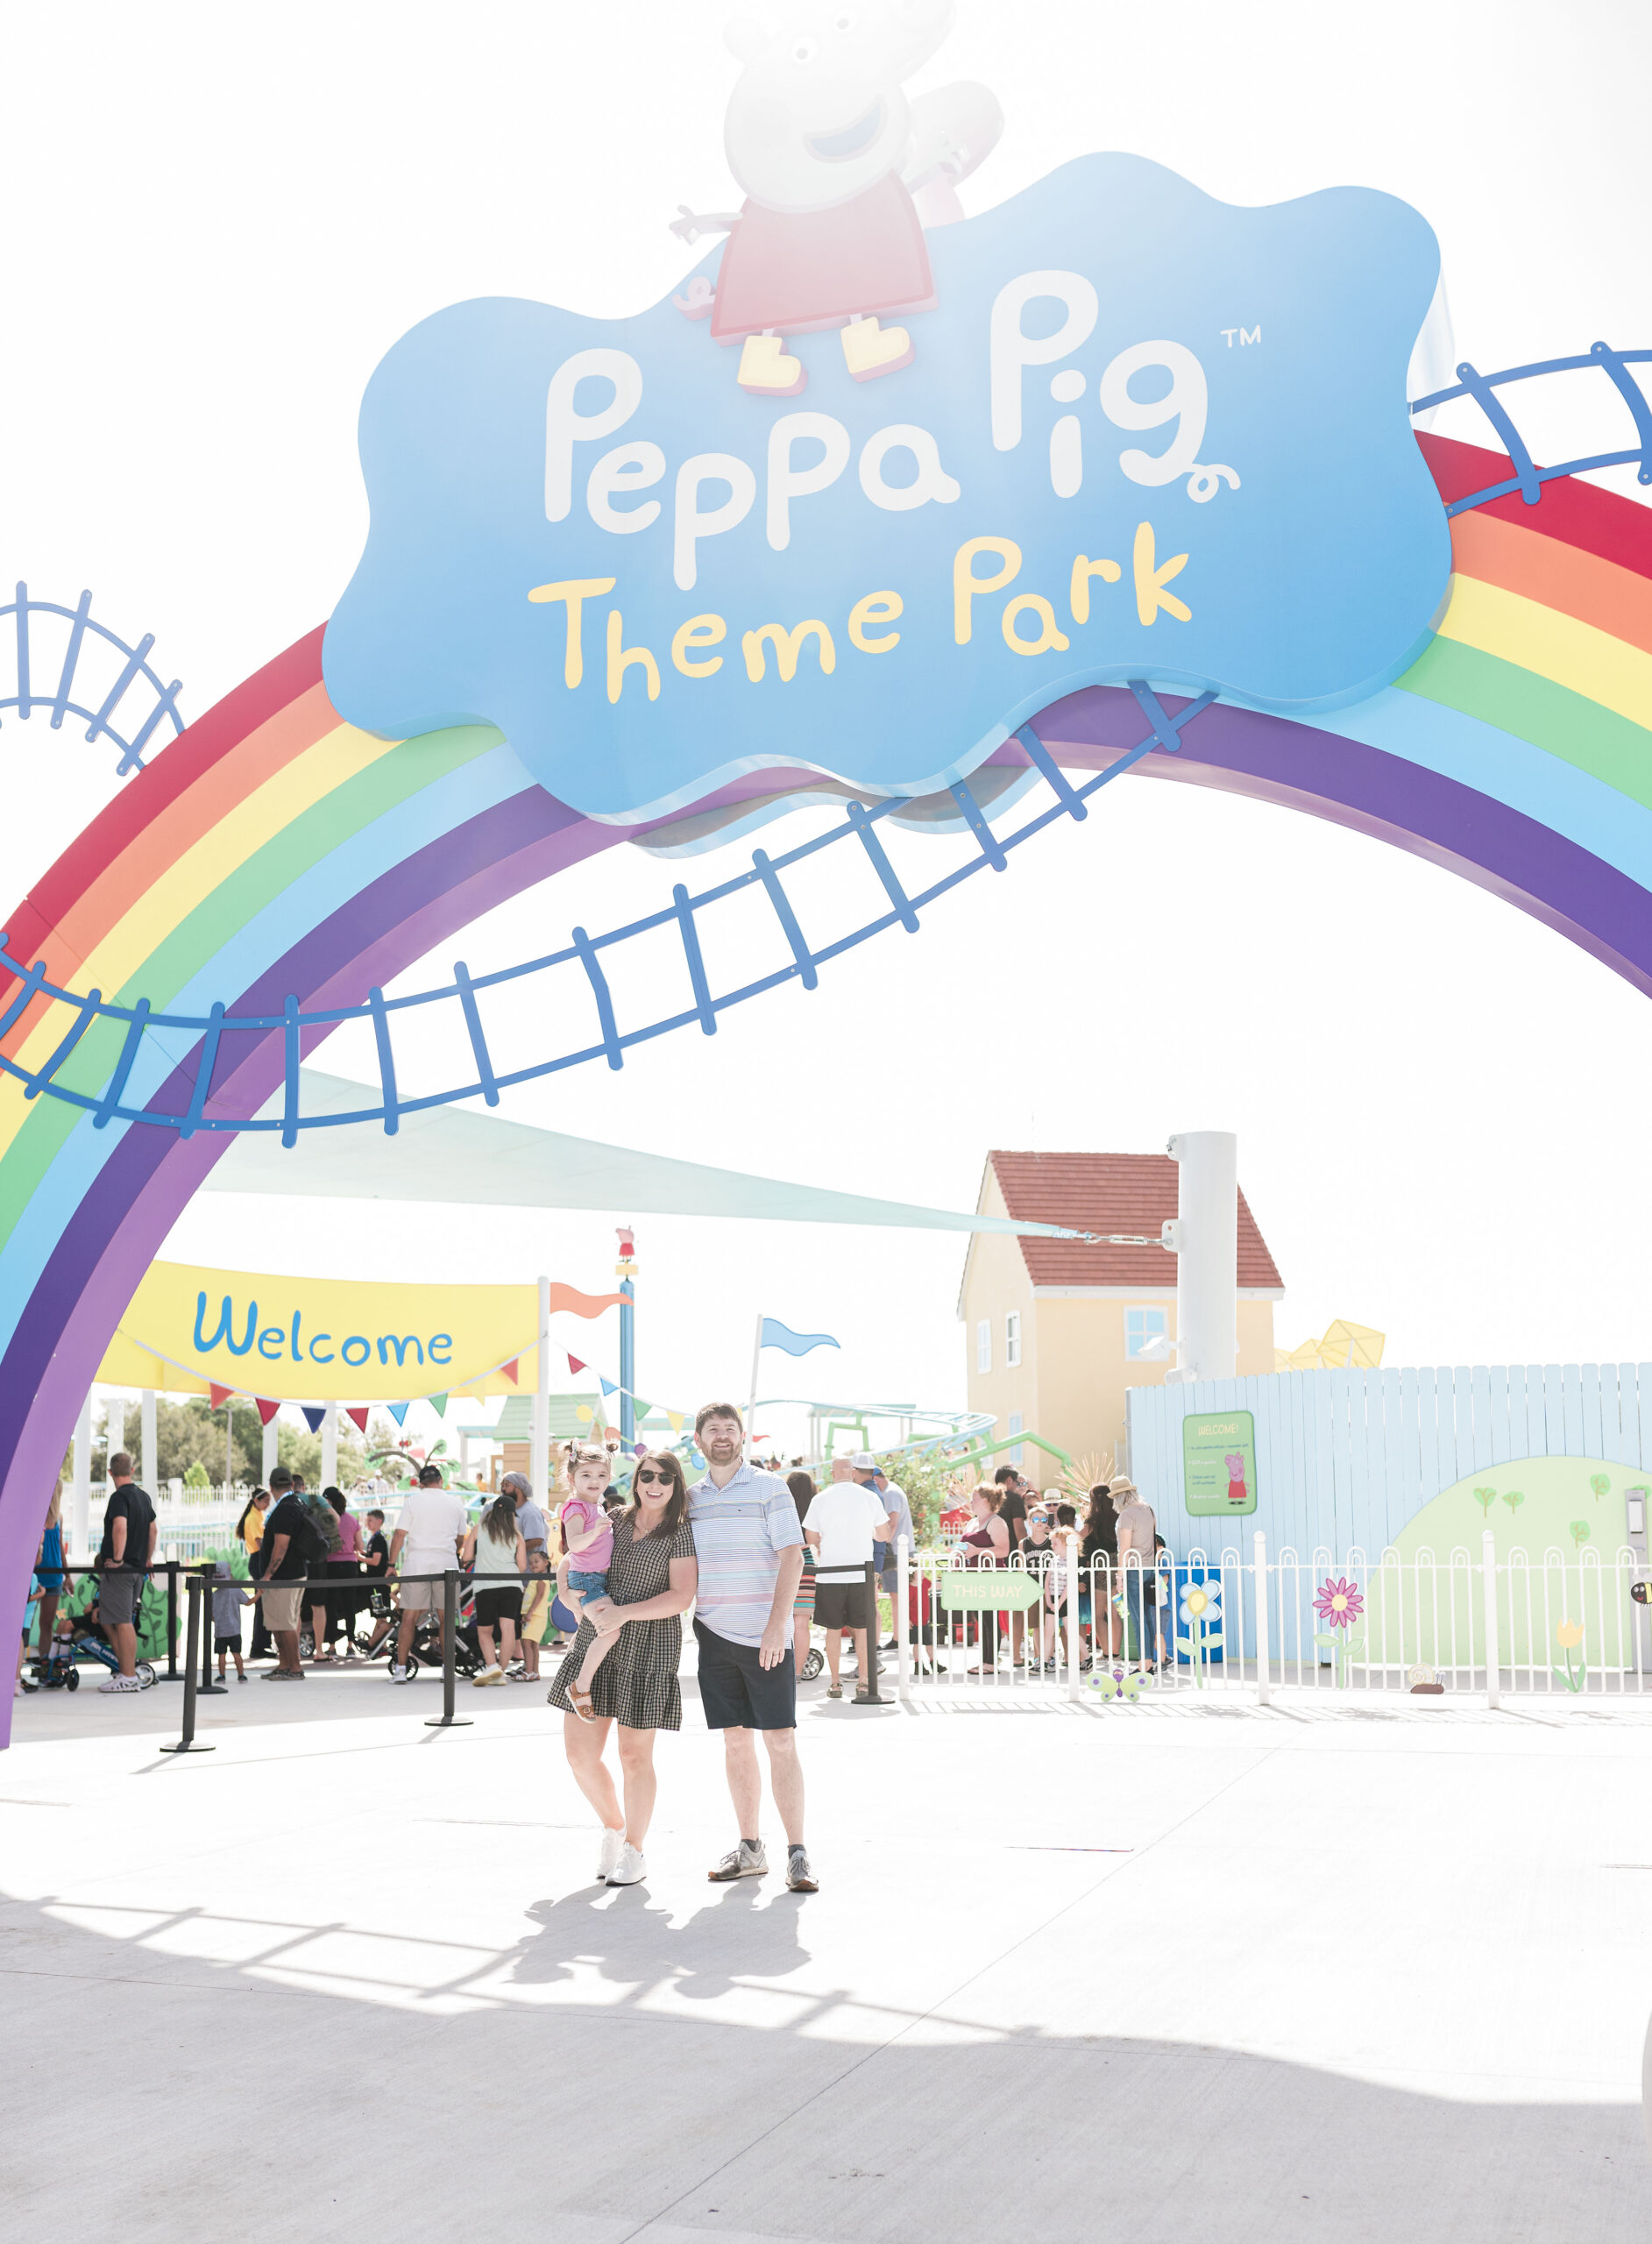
pixel 1579 1531
pixel 1485 1498
pixel 925 1481
pixel 1514 1499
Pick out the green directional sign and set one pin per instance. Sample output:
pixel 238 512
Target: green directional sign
pixel 1218 1462
pixel 986 1590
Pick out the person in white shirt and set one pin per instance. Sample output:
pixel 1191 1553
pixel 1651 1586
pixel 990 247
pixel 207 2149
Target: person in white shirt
pixel 429 1531
pixel 845 1521
pixel 896 1504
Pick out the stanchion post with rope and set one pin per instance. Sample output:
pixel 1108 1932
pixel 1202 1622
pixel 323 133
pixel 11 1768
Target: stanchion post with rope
pixel 868 1694
pixel 448 1719
pixel 186 1742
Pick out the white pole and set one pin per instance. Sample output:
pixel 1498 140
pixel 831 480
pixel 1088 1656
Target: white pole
pixel 330 1447
pixel 1208 1253
pixel 1493 1656
pixel 756 1357
pixel 272 1449
pixel 150 1448
pixel 1264 1682
pixel 539 1463
pixel 80 1501
pixel 903 1650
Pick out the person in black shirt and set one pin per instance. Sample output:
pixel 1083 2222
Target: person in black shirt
pixel 1013 1512
pixel 122 1560
pixel 375 1563
pixel 1099 1550
pixel 287 1542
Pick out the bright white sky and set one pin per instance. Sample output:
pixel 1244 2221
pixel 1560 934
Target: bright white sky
pixel 221 218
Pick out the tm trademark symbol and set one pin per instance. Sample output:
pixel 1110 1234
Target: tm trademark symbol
pixel 1245 335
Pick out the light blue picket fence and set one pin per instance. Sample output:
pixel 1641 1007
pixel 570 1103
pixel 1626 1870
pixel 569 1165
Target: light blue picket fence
pixel 1344 1459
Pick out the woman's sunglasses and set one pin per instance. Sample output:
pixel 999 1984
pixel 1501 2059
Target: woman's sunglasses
pixel 643 1478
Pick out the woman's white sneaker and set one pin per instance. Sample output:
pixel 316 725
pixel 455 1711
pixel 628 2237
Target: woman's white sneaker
pixel 630 1870
pixel 612 1847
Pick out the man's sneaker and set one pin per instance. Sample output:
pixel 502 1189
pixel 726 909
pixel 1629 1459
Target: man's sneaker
pixel 398 1674
pixel 748 1860
pixel 799 1878
pixel 612 1847
pixel 120 1683
pixel 630 1870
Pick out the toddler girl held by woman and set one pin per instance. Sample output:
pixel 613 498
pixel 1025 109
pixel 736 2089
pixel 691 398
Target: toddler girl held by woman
pixel 588 1538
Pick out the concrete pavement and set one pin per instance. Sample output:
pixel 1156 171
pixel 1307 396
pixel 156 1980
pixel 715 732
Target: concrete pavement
pixel 1379 1973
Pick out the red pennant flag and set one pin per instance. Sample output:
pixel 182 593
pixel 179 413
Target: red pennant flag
pixel 509 1370
pixel 358 1417
pixel 267 1409
pixel 217 1396
pixel 575 1366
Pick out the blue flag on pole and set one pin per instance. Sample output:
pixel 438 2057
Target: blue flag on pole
pixel 776 1335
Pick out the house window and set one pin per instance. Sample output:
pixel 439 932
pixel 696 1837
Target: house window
pixel 1141 1326
pixel 1012 1345
pixel 1017 1452
pixel 984 1345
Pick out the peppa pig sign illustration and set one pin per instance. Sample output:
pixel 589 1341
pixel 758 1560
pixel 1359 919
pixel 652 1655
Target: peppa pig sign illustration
pixel 878 481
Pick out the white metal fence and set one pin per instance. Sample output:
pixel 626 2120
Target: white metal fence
pixel 1232 1620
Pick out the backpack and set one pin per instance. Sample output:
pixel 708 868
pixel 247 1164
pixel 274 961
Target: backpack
pixel 311 1541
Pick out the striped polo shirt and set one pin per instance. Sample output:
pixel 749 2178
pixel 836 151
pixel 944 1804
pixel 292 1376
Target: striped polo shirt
pixel 739 1532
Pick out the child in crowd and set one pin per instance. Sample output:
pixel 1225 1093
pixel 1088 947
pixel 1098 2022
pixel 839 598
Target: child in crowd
pixel 587 1534
pixel 228 1598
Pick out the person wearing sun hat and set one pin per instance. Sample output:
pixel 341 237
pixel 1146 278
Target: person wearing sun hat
pixel 1136 1528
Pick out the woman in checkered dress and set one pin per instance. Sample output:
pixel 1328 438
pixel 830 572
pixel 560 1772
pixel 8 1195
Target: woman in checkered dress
pixel 652 1577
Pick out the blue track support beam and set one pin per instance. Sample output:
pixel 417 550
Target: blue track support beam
pixel 134 663
pixel 860 820
pixel 478 1043
pixel 787 917
pixel 698 982
pixel 71 655
pixel 1633 396
pixel 24 704
pixel 598 981
pixel 1165 731
pixel 30 987
pixel 387 1061
pixel 208 1061
pixel 992 849
pixel 117 1082
pixel 90 1006
pixel 1481 389
pixel 291 1053
pixel 1060 785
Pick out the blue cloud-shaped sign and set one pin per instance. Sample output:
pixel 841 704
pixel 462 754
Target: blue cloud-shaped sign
pixel 1140 434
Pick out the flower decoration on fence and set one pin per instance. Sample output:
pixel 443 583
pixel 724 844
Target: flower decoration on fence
pixel 1568 1636
pixel 1339 1604
pixel 1201 1616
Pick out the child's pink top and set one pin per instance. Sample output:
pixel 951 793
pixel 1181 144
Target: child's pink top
pixel 579 1516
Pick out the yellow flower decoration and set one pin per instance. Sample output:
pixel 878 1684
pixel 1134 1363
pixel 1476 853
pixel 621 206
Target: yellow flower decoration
pixel 1569 1634
pixel 1196 1602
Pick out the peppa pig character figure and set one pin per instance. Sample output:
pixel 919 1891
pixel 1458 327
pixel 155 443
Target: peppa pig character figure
pixel 840 172
pixel 1237 1490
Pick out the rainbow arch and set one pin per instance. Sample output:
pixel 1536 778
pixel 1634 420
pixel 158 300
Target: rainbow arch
pixel 273 851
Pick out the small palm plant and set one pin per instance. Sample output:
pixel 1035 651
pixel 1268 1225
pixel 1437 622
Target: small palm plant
pixel 1093 1470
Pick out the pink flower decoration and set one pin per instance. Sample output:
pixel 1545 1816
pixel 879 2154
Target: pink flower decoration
pixel 1339 1603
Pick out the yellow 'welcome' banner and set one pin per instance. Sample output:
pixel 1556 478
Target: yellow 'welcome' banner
pixel 329 1339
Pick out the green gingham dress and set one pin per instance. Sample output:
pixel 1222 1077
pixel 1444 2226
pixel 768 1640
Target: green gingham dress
pixel 636 1685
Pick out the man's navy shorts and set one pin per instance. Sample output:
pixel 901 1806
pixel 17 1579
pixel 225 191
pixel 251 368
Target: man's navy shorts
pixel 737 1692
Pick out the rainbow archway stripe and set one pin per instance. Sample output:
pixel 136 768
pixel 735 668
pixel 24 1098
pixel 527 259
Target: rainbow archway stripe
pixel 273 850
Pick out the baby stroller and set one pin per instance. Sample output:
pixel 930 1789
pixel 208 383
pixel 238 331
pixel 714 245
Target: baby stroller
pixel 426 1648
pixel 84 1634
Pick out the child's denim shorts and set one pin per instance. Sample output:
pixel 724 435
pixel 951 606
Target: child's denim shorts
pixel 584 1585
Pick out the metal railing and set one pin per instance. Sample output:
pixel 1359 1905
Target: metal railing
pixel 1529 479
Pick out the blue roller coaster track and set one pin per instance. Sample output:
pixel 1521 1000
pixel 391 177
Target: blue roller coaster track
pixel 133 675
pixel 584 954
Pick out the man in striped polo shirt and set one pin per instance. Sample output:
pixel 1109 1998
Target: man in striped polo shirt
pixel 749 1547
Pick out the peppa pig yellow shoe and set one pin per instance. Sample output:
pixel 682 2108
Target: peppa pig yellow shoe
pixel 765 371
pixel 870 349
